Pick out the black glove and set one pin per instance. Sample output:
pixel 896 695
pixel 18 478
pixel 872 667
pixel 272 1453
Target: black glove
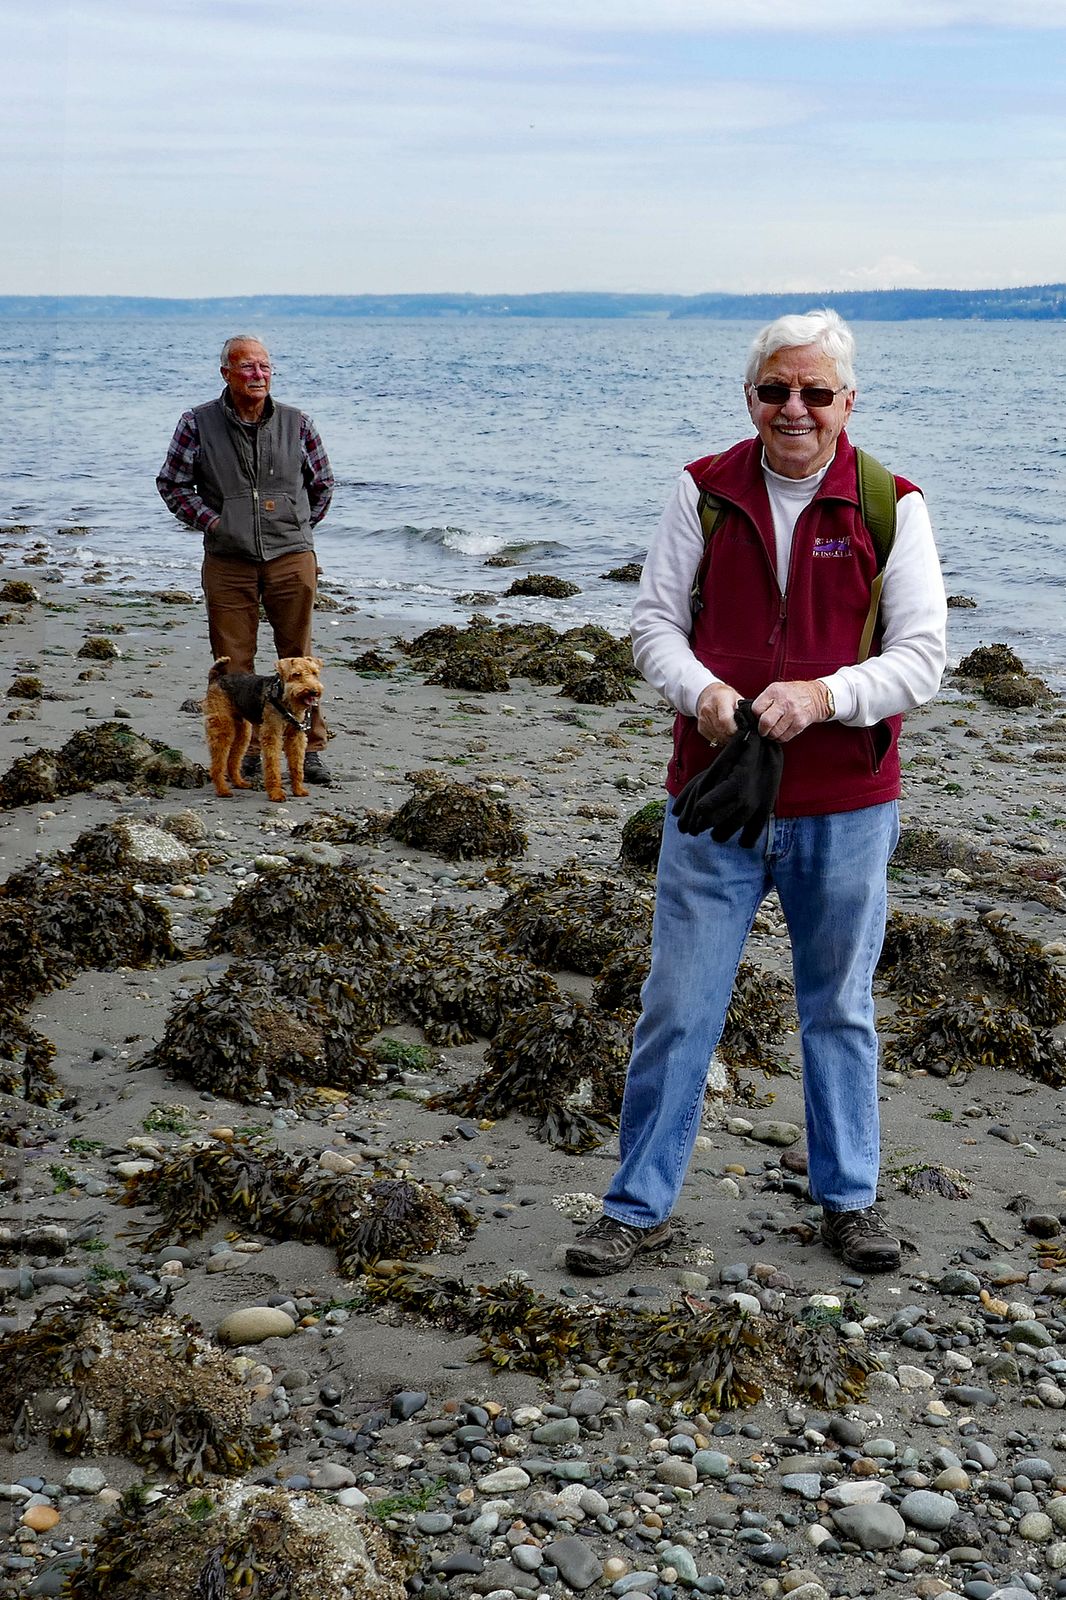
pixel 738 790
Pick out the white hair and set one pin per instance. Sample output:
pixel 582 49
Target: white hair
pixel 824 328
pixel 238 338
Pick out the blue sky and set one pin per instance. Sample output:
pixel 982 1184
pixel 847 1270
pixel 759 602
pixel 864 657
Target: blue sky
pixel 334 146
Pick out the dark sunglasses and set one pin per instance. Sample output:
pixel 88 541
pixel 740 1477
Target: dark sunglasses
pixel 776 394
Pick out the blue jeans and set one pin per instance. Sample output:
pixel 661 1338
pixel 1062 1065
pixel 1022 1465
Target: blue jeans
pixel 829 873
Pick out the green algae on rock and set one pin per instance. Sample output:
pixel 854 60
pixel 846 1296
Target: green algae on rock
pixel 642 836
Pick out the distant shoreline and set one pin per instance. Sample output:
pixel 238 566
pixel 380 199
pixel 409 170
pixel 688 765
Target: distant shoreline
pixel 1032 303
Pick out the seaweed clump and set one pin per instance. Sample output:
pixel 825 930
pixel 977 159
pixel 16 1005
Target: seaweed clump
pixel 109 752
pixel 98 649
pixel 596 686
pixel 291 1197
pixel 134 847
pixel 54 924
pixel 26 1056
pixel 315 905
pixel 629 572
pixel 278 1028
pixel 946 1183
pixel 761 1013
pixel 456 821
pixel 545 584
pixel 134 1382
pixel 962 1034
pixel 26 688
pixel 1003 678
pixel 455 988
pixel 925 960
pixel 562 1063
pixel 17 591
pixel 573 920
pixel 696 1357
pixel 826 1369
pixel 471 666
pixel 245 1543
pixel 642 836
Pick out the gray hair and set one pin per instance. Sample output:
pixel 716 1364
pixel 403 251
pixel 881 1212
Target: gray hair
pixel 238 338
pixel 824 328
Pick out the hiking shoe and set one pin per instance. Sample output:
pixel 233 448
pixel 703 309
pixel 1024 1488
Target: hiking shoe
pixel 861 1239
pixel 251 766
pixel 610 1246
pixel 315 769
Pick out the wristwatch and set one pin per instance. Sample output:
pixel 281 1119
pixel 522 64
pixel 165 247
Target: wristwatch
pixel 831 705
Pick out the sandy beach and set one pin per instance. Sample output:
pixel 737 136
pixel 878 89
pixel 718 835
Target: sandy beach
pixel 393 1418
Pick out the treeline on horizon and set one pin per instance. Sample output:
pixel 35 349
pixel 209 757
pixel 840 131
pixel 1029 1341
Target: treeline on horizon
pixel 1043 302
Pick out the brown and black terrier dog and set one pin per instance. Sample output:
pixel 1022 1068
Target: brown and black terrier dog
pixel 279 706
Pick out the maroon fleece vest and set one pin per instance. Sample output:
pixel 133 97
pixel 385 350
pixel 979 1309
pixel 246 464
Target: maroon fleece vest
pixel 749 635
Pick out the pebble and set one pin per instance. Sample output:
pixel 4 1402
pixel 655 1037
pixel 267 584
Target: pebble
pixel 576 1562
pixel 253 1324
pixel 872 1527
pixel 924 1509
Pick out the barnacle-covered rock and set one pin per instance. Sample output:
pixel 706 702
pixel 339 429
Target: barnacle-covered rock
pixel 457 821
pixel 642 835
pixel 573 919
pixel 333 827
pixel 188 826
pixel 277 1027
pixel 106 752
pixel 289 1197
pixel 306 905
pixel 146 1386
pixel 543 584
pixel 560 1062
pixel 970 1033
pixel 932 849
pixel 135 848
pixel 168 768
pixel 248 1542
pixel 630 572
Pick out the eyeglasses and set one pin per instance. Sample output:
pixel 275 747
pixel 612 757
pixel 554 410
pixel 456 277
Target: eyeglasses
pixel 776 394
pixel 248 369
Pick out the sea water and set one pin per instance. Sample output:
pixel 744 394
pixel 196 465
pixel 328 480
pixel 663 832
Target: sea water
pixel 552 442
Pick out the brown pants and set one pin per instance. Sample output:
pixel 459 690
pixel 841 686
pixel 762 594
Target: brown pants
pixel 286 586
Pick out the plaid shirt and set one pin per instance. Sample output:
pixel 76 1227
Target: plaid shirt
pixel 177 476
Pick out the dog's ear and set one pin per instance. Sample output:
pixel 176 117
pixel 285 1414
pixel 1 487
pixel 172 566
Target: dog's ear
pixel 316 663
pixel 284 666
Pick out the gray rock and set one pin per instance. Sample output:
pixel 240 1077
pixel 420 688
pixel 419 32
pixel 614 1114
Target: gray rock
pixel 776 1133
pixel 432 1522
pixel 253 1324
pixel 676 1556
pixel 876 1527
pixel 924 1509
pixel 575 1560
pixel 1034 1467
pixel 1028 1331
pixel 677 1473
pixel 807 1484
pixel 331 1475
pixel 587 1403
pixel 712 1464
pixel 406 1403
pixel 1036 1527
pixel 504 1481
pixel 85 1480
pixel 557 1430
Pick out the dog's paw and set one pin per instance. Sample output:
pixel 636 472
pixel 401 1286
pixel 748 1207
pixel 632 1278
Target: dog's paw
pixel 300 792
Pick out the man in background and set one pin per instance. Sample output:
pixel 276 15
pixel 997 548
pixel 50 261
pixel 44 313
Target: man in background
pixel 253 477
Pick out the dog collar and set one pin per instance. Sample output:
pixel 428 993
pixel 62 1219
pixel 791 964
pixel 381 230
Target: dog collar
pixel 274 695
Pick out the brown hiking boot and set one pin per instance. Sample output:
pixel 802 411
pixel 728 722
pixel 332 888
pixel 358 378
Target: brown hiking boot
pixel 609 1246
pixel 861 1239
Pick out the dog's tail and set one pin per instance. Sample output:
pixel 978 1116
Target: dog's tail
pixel 218 670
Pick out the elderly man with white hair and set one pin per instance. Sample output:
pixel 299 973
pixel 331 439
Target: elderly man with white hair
pixel 794 574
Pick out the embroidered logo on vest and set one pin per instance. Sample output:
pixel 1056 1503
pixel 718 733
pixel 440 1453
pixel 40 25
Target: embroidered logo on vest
pixel 833 547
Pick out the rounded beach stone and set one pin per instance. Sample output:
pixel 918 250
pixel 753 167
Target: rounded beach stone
pixel 253 1324
pixel 1036 1527
pixel 924 1509
pixel 876 1527
pixel 40 1518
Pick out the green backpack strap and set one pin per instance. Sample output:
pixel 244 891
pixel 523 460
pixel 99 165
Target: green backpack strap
pixel 877 505
pixel 710 511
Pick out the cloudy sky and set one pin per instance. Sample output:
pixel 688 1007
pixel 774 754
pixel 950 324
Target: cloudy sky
pixel 221 147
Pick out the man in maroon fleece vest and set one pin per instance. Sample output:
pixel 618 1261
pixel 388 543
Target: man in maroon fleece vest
pixel 780 619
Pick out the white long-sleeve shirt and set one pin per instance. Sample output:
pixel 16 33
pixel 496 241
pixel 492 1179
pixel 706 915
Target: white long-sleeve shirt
pixel 913 607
